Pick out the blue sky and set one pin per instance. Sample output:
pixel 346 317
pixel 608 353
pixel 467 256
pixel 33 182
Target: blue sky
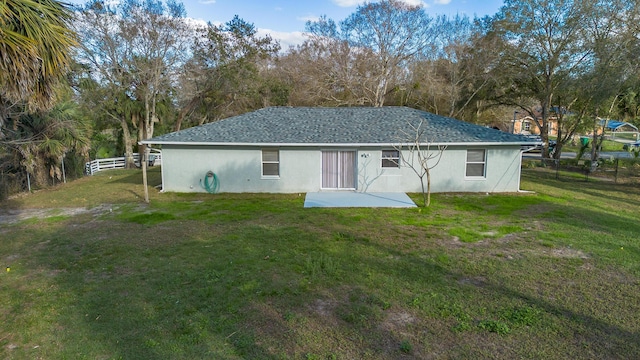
pixel 285 19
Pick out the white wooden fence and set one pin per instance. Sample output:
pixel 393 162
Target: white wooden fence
pixel 97 165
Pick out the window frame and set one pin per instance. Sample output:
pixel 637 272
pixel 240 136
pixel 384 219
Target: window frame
pixel 483 163
pixel 390 159
pixel 264 162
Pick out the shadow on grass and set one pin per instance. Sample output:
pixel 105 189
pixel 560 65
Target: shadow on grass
pixel 134 176
pixel 624 193
pixel 598 337
pixel 111 186
pixel 241 286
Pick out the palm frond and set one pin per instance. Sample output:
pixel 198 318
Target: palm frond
pixel 35 44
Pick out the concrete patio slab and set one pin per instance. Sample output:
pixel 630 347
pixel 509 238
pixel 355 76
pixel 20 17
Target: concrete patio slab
pixel 357 199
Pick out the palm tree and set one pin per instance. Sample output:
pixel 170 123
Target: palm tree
pixel 40 141
pixel 35 54
pixel 35 43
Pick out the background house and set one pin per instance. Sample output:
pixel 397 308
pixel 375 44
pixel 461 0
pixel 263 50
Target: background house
pixel 525 124
pixel 289 150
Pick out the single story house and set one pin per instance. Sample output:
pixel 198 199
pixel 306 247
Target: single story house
pixel 303 149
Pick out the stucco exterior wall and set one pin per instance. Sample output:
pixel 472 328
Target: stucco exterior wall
pixel 502 172
pixel 239 170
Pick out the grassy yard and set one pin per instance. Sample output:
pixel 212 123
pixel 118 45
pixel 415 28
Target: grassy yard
pixel 607 146
pixel 550 274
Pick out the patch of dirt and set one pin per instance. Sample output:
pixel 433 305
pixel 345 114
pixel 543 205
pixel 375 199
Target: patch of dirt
pixel 508 238
pixel 477 281
pixel 397 321
pixel 14 216
pixel 325 308
pixel 567 253
pixel 268 324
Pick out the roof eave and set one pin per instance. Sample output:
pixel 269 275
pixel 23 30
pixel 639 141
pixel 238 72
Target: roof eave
pixel 204 143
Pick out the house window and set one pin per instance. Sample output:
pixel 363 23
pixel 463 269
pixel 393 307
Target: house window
pixel 527 126
pixel 390 158
pixel 270 162
pixel 476 162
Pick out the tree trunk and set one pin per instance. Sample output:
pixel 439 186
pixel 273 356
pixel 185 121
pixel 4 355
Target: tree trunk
pixel 142 131
pixel 40 175
pixel 128 147
pixel 424 194
pixel 147 120
pixel 558 147
pixel 153 119
pixel 428 187
pixel 595 144
pixel 183 113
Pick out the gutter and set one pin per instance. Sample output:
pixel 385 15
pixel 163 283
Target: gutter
pixel 204 143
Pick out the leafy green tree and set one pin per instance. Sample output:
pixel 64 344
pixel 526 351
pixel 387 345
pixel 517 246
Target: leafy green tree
pixel 132 52
pixel 559 58
pixel 35 43
pixel 35 54
pixel 113 113
pixel 544 45
pixel 40 141
pixel 629 105
pixel 225 76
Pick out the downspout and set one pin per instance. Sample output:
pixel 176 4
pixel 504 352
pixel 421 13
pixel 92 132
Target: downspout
pixel 143 160
pixel 522 151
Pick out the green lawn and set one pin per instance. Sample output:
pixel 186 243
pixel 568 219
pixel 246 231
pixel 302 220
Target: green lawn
pixel 549 274
pixel 607 146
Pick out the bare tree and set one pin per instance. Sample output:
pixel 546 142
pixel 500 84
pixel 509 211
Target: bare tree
pixel 131 53
pixel 328 72
pixel 449 80
pixel 419 156
pixel 156 34
pixel 392 30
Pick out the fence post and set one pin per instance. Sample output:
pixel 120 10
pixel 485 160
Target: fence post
pixel 64 174
pixel 4 191
pixel 616 173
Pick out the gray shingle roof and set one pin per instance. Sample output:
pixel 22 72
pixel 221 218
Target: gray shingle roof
pixel 344 126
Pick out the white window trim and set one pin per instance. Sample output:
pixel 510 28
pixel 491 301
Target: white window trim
pixel 356 169
pixel 262 162
pixel 484 168
pixel 398 159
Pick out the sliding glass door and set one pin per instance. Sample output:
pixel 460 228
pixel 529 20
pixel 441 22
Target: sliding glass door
pixel 339 170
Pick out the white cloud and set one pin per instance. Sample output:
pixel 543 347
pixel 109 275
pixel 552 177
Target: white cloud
pixel 207 2
pixel 196 23
pixel 417 2
pixel 442 2
pixel 286 39
pixel 350 3
pixel 347 3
